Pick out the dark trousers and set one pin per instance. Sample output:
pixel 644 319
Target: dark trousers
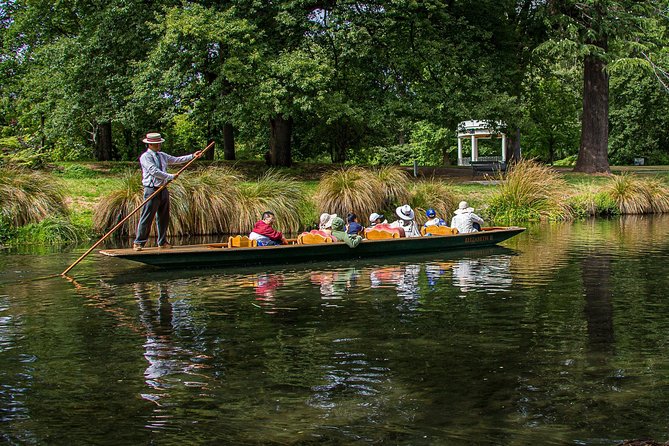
pixel 159 207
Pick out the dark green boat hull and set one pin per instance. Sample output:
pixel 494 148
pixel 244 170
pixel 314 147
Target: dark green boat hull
pixel 215 257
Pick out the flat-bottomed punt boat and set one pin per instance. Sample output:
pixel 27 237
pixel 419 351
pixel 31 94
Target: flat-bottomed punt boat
pixel 217 255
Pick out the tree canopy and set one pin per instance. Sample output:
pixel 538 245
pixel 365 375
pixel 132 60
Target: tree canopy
pixel 337 80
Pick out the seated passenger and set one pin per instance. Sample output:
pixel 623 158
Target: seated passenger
pixel 338 232
pixel 376 219
pixel 265 234
pixel 465 219
pixel 325 223
pixel 406 221
pixel 433 219
pixel 353 227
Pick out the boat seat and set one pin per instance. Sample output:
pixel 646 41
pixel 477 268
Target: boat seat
pixel 309 238
pixel 439 230
pixel 379 234
pixel 241 241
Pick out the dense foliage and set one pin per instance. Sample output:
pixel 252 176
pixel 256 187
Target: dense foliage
pixel 366 82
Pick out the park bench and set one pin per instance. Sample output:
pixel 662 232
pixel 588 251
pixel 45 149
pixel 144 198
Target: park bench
pixel 488 166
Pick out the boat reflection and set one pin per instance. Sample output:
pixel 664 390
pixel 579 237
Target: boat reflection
pixel 334 284
pixel 489 274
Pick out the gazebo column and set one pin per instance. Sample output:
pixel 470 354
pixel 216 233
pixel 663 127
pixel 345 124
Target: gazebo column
pixel 459 151
pixel 503 147
pixel 475 149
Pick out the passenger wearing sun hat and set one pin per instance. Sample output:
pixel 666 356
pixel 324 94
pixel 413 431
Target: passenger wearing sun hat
pixel 406 221
pixel 465 220
pixel 325 222
pixel 154 174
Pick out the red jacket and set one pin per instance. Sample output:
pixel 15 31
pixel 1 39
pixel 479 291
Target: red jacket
pixel 263 228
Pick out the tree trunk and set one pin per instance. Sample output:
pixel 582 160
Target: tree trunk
pixel 281 130
pixel 228 142
pixel 513 147
pixel 103 142
pixel 593 155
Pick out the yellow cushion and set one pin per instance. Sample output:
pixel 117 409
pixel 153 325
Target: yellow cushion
pixel 307 238
pixel 241 241
pixel 439 230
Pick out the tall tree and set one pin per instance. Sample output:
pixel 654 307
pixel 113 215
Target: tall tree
pixel 600 31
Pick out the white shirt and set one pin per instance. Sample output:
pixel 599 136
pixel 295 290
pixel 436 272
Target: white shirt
pixel 464 222
pixel 410 227
pixel 154 167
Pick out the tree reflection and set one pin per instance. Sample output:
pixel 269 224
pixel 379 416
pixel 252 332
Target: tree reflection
pixel 596 273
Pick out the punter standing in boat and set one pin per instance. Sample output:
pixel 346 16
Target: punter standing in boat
pixel 154 174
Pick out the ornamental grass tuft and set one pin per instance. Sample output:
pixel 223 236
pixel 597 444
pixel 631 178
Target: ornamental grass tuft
pixel 637 195
pixel 201 204
pixel 432 194
pixel 28 197
pixel 272 192
pixel 211 200
pixel 395 185
pixel 348 190
pixel 530 191
pixel 114 207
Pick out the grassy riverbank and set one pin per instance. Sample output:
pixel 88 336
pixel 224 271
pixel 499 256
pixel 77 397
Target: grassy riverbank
pixel 82 200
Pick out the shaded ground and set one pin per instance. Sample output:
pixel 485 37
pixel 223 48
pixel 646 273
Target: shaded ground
pixel 313 172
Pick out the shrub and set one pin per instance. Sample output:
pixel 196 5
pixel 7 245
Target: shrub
pixel 28 197
pixel 590 201
pixel 347 190
pixel 432 194
pixel 52 231
pixel 530 191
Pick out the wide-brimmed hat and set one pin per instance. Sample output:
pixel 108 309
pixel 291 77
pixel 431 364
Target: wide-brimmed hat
pixel 326 220
pixel 374 217
pixel 405 212
pixel 463 208
pixel 153 138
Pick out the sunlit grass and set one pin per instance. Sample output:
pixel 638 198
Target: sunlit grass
pixel 395 185
pixel 29 197
pixel 117 204
pixel 347 190
pixel 638 195
pixel 432 194
pixel 530 191
pixel 273 192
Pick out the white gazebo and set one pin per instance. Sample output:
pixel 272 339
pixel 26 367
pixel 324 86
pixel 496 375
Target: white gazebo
pixel 475 130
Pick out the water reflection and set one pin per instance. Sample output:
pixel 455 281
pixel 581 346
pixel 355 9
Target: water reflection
pixel 334 284
pixel 559 340
pixel 171 364
pixel 490 274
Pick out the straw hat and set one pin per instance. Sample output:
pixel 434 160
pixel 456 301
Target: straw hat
pixel 463 208
pixel 153 138
pixel 405 212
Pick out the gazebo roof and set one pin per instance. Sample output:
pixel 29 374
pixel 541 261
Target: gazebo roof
pixel 479 128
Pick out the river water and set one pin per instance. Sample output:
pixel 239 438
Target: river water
pixel 560 336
